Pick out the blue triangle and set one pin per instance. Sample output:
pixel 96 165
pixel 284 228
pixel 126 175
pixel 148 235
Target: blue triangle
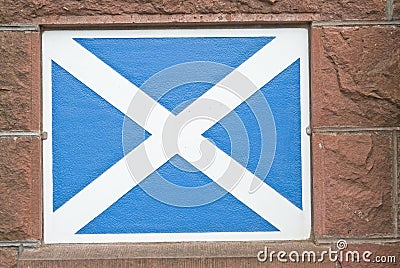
pixel 87 135
pixel 137 212
pixel 180 172
pixel 137 59
pixel 180 97
pixel 283 96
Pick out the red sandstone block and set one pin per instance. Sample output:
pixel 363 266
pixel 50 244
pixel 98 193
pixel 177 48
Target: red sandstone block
pixel 221 262
pixel 8 257
pixel 20 189
pixel 22 11
pixel 352 177
pixel 398 183
pixel 19 80
pixel 181 19
pixel 396 9
pixel 355 76
pixel 179 255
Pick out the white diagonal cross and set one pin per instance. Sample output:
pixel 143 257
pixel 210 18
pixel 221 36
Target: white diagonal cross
pixel 202 114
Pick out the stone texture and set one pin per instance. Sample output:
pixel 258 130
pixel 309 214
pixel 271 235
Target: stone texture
pixel 379 252
pixel 139 20
pixel 159 262
pixel 398 183
pixel 396 9
pixel 19 80
pixel 20 189
pixel 352 185
pixel 8 257
pixel 194 254
pixel 35 10
pixel 356 76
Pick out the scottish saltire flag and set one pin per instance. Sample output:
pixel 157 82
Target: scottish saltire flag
pixel 176 135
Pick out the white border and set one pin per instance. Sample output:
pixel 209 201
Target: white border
pixel 48 38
